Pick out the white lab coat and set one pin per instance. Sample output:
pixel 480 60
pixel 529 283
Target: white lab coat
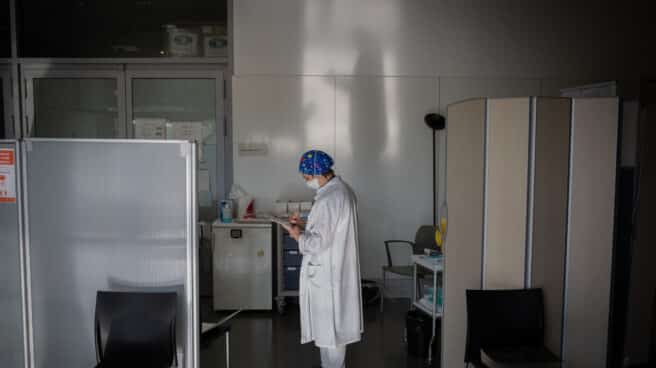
pixel 330 295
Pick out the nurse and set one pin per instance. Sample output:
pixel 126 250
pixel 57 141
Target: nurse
pixel 329 296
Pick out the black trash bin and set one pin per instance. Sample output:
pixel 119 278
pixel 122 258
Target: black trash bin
pixel 418 333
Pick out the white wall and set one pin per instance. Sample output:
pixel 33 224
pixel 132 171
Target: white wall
pixel 304 67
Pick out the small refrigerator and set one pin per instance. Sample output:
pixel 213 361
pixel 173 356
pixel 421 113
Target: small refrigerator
pixel 242 260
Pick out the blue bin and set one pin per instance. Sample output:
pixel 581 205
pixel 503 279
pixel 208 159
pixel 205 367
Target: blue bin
pixel 291 276
pixel 288 243
pixel 292 258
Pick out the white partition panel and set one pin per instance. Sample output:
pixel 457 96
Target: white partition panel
pixel 107 215
pixel 457 89
pixel 507 182
pixel 590 230
pixel 546 265
pixel 384 151
pixel 12 347
pixel 463 250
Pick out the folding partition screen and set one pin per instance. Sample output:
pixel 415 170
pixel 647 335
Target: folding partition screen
pixel 12 347
pixel 106 215
pixel 531 194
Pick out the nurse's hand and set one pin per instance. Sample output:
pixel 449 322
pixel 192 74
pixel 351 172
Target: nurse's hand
pixel 294 232
pixel 295 219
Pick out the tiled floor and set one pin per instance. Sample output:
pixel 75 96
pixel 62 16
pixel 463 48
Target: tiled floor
pixel 269 340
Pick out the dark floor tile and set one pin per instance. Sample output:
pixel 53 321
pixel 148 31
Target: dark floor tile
pixel 271 340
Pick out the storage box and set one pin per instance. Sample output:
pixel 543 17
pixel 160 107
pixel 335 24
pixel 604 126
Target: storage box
pixel 182 42
pixel 291 276
pixel 215 46
pixel 292 258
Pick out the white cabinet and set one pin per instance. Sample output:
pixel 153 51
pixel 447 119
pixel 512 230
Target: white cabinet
pixel 242 266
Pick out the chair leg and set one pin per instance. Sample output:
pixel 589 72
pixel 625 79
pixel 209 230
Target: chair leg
pixel 382 292
pixel 227 336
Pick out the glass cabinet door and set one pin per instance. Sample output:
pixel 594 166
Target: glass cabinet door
pixel 181 109
pixel 6 121
pixel 74 108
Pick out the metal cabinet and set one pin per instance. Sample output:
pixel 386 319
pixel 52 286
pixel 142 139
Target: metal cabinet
pixel 242 261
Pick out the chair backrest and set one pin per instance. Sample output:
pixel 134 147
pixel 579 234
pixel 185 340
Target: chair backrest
pixel 135 328
pixel 425 238
pixel 503 318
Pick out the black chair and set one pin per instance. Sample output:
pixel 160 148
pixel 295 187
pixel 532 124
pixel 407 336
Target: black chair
pixel 135 329
pixel 505 328
pixel 424 238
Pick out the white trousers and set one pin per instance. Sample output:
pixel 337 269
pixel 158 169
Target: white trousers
pixel 333 357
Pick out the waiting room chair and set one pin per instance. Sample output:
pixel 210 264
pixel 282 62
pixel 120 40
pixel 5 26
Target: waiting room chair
pixel 505 328
pixel 424 238
pixel 135 329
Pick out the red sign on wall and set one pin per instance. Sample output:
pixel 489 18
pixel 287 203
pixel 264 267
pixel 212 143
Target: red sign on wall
pixel 7 176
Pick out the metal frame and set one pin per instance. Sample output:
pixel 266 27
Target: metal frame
pixel 563 336
pixel 40 71
pixel 530 203
pixel 126 60
pixel 25 148
pixel 485 196
pixel 27 333
pixel 434 314
pixel 192 359
pixel 185 72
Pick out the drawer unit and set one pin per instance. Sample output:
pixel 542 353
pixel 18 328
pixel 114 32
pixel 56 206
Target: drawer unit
pixel 288 243
pixel 292 275
pixel 292 258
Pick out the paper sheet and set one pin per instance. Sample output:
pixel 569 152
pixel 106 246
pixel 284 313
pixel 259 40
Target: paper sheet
pixel 281 221
pixel 186 130
pixel 149 128
pixel 195 131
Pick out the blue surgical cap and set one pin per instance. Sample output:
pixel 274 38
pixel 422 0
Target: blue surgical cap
pixel 315 162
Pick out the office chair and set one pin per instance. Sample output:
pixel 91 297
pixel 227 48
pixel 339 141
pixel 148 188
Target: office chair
pixel 505 328
pixel 135 329
pixel 424 238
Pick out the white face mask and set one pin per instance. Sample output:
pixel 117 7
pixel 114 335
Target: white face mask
pixel 313 184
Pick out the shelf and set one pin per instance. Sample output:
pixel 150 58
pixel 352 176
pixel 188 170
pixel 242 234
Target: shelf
pixel 427 310
pixel 432 264
pixel 125 60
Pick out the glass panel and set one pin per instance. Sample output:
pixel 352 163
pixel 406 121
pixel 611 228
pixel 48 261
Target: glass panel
pixel 75 108
pixel 118 222
pixel 121 28
pixel 11 315
pixel 5 30
pixel 186 108
pixel 3 132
